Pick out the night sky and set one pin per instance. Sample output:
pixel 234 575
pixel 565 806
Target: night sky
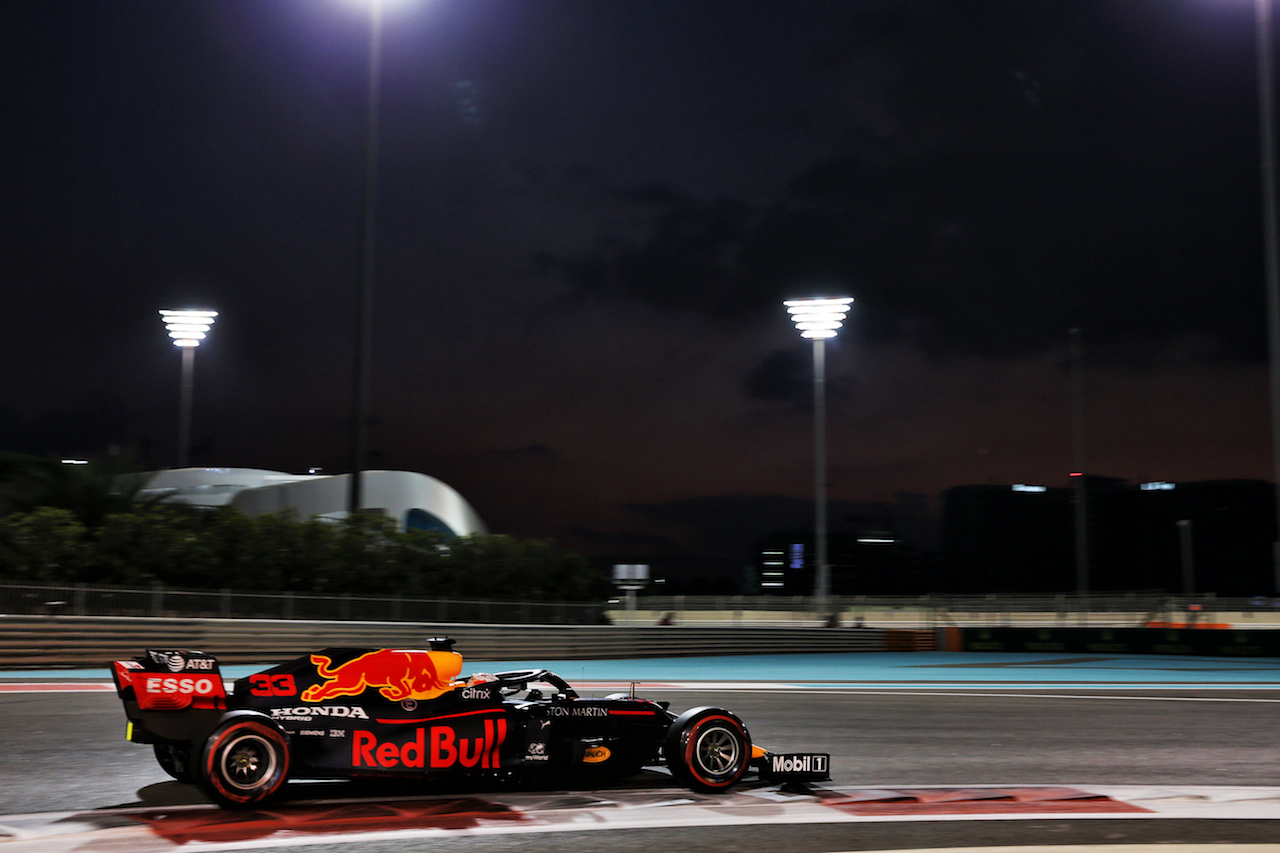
pixel 590 212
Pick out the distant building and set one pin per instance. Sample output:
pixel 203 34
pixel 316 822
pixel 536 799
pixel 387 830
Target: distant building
pixel 1008 539
pixel 414 501
pixel 1022 538
pixel 874 560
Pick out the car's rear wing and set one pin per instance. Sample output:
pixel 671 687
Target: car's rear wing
pixel 161 681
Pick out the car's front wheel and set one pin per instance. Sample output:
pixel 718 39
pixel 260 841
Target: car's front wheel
pixel 708 749
pixel 244 763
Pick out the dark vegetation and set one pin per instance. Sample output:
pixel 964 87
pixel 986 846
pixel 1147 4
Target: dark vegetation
pixel 62 524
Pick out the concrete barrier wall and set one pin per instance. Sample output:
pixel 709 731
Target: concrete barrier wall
pixel 87 641
pixel 1205 642
pixel 924 618
pixel 90 642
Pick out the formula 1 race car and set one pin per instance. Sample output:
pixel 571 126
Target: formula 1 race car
pixel 344 713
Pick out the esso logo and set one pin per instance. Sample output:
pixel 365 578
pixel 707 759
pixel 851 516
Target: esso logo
pixel 198 686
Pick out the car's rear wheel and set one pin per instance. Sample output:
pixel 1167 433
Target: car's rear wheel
pixel 174 760
pixel 708 749
pixel 245 762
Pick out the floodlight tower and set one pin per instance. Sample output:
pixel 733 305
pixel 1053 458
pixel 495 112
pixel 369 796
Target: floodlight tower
pixel 368 235
pixel 818 319
pixel 1265 50
pixel 187 328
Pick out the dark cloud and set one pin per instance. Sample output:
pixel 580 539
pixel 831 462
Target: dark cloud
pixel 528 451
pixel 783 375
pixel 787 376
pixel 1010 171
pixel 688 262
pixel 98 428
pixel 980 176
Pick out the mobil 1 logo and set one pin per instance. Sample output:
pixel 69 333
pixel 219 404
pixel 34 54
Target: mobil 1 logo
pixel 800 766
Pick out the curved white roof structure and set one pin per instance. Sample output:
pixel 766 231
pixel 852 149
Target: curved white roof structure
pixel 415 501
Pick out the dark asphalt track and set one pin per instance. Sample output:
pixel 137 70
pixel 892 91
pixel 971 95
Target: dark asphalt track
pixel 66 752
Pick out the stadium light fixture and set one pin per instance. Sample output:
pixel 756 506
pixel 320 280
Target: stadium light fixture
pixel 186 328
pixel 818 319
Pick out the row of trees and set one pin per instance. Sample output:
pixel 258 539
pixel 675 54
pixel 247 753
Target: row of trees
pixel 64 526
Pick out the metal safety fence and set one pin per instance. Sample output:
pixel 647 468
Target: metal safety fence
pixel 914 612
pixel 159 601
pixel 1127 610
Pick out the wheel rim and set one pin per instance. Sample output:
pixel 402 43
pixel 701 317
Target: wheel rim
pixel 248 761
pixel 717 750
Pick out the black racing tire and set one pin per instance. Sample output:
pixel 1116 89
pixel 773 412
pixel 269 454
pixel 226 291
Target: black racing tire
pixel 174 760
pixel 244 763
pixel 708 749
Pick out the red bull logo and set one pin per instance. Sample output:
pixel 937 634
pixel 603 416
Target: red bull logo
pixel 396 673
pixel 437 747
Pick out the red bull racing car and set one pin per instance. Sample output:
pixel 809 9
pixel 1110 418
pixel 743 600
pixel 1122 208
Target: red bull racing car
pixel 345 713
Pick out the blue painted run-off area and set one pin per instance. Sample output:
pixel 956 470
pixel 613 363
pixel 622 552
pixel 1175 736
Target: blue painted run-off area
pixel 926 669
pixel 942 670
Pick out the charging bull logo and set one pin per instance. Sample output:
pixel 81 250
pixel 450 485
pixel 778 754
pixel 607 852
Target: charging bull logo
pixel 398 675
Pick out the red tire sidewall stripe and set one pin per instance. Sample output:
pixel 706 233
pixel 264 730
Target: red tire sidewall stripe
pixel 691 746
pixel 212 759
